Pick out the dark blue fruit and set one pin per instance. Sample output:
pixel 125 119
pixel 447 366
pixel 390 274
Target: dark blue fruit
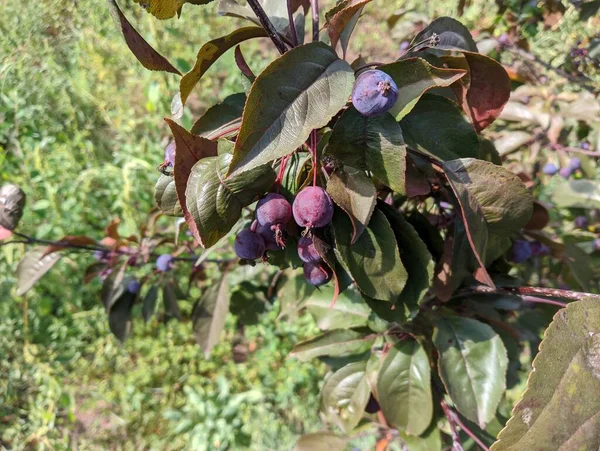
pixel 597 244
pixel 550 169
pixel 273 209
pixel 374 93
pixel 307 251
pixel 372 405
pixel 521 251
pixel 269 237
pixel 313 207
pixel 574 164
pixel 249 245
pixel 539 249
pixel 134 287
pixel 170 154
pixel 565 172
pixel 581 222
pixel 317 274
pixel 164 262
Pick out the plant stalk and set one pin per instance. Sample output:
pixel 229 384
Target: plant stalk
pixel 314 6
pixel 267 25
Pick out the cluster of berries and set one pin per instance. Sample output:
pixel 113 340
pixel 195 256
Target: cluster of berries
pixel 573 166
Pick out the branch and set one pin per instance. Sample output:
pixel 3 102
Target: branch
pixel 314 5
pixel 456 419
pixel 456 445
pixel 531 294
pixel 268 25
pixel 292 24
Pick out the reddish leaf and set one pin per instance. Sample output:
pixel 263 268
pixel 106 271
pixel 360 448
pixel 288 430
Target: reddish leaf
pixel 112 229
pixel 5 233
pixel 342 15
pixel 243 65
pixel 416 182
pixel 143 51
pixel 540 217
pixel 189 149
pixel 69 240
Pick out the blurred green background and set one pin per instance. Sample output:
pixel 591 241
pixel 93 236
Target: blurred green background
pixel 81 131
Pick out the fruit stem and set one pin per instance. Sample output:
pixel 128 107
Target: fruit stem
pixel 314 4
pixel 313 144
pixel 267 25
pixel 292 24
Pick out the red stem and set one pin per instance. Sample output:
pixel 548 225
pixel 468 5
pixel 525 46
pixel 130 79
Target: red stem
pixel 314 145
pixel 292 25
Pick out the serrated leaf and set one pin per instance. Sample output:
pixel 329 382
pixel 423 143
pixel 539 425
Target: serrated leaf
pixel 438 127
pixel 143 51
pixel 219 115
pixel 577 194
pixel 371 144
pixel 298 92
pixel 335 343
pixel 560 408
pixel 211 52
pixel 339 18
pixel 452 35
pixel 414 77
pixel 149 303
pixel 404 387
pixel 321 441
pixel 373 259
pixel 345 394
pixel 354 192
pixel 215 201
pixel 472 365
pixel 33 267
pixel 165 196
pixel 12 203
pixel 209 315
pixel 349 310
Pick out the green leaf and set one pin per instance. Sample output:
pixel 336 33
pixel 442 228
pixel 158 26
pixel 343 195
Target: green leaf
pixel 345 394
pixel 321 441
pixel 354 192
pixel 414 255
pixel 170 301
pixel 414 77
pixel 33 267
pixel 577 194
pixel 298 92
pixel 215 201
pixel 165 9
pixel 404 388
pixel 349 310
pixel 340 17
pixel 371 144
pixel 144 52
pixel 560 408
pixel 149 303
pixel 165 196
pixel 373 259
pixel 219 115
pixel 248 302
pixel 292 291
pixel 438 127
pixel 335 343
pixel 211 52
pixel 430 440
pixel 12 203
pixel 472 365
pixel 452 35
pixel 209 315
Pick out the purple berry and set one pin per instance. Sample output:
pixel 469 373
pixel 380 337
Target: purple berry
pixel 317 274
pixel 539 249
pixel 574 164
pixel 585 145
pixel 134 287
pixel 164 262
pixel 404 45
pixel 374 93
pixel 249 245
pixel 550 169
pixel 565 172
pixel 268 236
pixel 597 244
pixel 313 207
pixel 504 39
pixel 100 255
pixel 307 251
pixel 170 154
pixel 273 209
pixel 521 251
pixel 372 405
pixel 581 222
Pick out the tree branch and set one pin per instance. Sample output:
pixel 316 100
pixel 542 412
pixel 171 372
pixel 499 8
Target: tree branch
pixel 314 6
pixel 268 25
pixel 292 24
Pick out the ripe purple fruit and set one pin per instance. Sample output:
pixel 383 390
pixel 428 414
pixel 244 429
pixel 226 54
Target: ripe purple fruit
pixel 550 169
pixel 565 172
pixel 273 209
pixel 539 249
pixel 164 262
pixel 317 274
pixel 268 236
pixel 170 154
pixel 313 207
pixel 374 93
pixel 581 222
pixel 521 251
pixel 249 245
pixel 574 164
pixel 134 287
pixel 597 244
pixel 372 405
pixel 307 251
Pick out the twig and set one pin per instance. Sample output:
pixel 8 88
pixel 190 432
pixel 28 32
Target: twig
pixel 538 300
pixel 267 25
pixel 292 24
pixel 456 445
pixel 314 5
pixel 465 429
pixel 539 291
pixel 590 153
pixel 32 240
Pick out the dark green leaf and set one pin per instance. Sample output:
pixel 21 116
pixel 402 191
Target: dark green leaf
pixel 404 388
pixel 430 440
pixel 472 365
pixel 414 77
pixel 248 302
pixel 211 52
pixel 345 394
pixel 219 115
pixel 321 441
pixel 149 303
pixel 292 291
pixel 438 127
pixel 560 408
pixel 33 267
pixel 577 193
pixel 119 316
pixel 300 91
pixel 12 203
pixel 588 9
pixel 353 191
pixel 215 201
pixel 292 178
pixel 170 301
pixel 373 260
pixel 165 196
pixel 580 265
pixel 209 315
pixel 350 309
pixel 371 144
pixel 335 343
pixel 143 51
pixel 452 35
